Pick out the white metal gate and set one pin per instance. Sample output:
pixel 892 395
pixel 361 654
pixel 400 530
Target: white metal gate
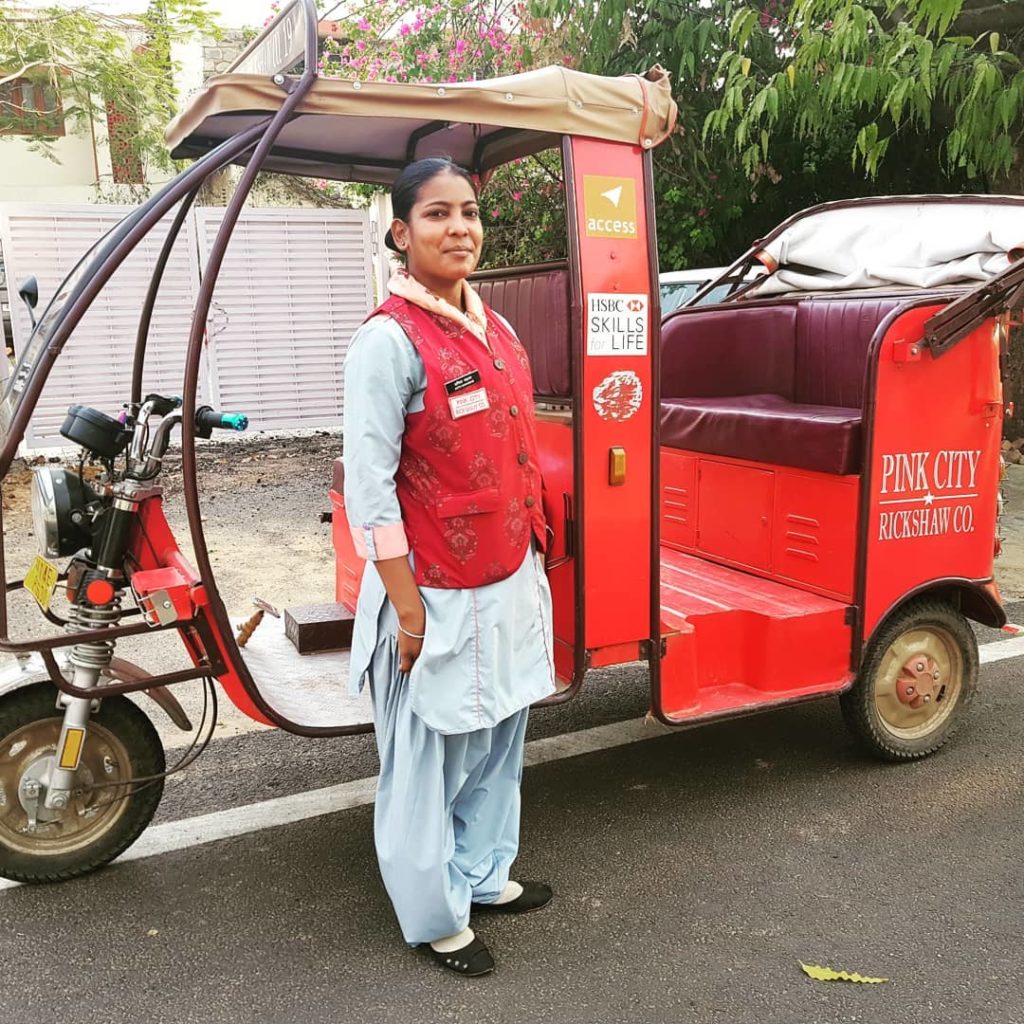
pixel 96 364
pixel 294 286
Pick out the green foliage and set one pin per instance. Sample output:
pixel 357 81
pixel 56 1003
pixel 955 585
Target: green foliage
pixel 701 193
pixel 90 58
pixel 398 41
pixel 896 70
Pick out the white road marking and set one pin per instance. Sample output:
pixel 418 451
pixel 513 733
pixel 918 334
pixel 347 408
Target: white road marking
pixel 1000 650
pixel 287 810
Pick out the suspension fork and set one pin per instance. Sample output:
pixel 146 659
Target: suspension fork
pixel 89 661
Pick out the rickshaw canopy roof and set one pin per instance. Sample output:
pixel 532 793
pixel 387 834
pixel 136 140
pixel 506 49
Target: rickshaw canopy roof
pixel 894 241
pixel 368 131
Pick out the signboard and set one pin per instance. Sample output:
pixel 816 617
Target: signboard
pixel 617 324
pixel 279 47
pixel 609 206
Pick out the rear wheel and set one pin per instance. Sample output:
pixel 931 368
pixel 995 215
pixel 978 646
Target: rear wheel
pixel 917 680
pixel 105 814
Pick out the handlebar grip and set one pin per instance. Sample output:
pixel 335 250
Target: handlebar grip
pixel 208 419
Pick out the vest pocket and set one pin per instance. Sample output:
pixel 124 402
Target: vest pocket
pixel 468 503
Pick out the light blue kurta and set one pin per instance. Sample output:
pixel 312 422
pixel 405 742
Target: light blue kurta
pixel 450 734
pixel 488 650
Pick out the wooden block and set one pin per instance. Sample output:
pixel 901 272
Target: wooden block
pixel 319 627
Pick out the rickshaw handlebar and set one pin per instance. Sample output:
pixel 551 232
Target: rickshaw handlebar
pixel 208 419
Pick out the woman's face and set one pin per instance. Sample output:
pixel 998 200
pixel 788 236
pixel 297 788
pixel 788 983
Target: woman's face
pixel 443 236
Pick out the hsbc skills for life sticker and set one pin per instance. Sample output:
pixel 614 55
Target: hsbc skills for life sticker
pixel 616 324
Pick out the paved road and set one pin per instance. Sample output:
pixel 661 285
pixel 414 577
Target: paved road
pixel 693 873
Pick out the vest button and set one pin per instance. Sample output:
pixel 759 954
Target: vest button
pixel 499 364
pixel 513 410
pixel 529 501
pixel 523 458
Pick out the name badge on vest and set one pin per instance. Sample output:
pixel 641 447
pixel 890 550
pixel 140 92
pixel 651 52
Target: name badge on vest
pixel 461 400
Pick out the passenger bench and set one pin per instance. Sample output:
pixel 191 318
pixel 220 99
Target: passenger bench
pixel 780 384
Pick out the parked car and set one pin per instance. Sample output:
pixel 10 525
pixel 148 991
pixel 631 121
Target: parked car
pixel 677 287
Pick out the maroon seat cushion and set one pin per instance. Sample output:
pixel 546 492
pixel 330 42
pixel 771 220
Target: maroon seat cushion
pixel 765 428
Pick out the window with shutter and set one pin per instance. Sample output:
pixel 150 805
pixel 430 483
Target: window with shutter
pixel 30 106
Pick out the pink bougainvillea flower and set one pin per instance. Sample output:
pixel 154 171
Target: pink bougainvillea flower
pixel 495 213
pixel 405 30
pixel 517 196
pixel 460 46
pixel 363 25
pixel 360 44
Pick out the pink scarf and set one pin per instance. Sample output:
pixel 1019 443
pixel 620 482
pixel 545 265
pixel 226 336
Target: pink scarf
pixel 474 319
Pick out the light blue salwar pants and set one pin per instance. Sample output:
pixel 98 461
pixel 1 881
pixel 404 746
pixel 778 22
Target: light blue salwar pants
pixel 446 822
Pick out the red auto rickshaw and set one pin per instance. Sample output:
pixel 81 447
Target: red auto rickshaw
pixel 784 496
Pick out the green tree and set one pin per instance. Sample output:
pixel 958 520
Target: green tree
pixel 890 73
pixel 91 59
pixel 717 185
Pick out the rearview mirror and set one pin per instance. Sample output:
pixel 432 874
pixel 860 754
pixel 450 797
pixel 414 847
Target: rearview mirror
pixel 29 292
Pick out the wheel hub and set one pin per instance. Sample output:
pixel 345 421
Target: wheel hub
pixel 920 682
pixel 27 758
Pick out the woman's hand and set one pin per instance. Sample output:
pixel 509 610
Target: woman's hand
pixel 411 629
pixel 399 582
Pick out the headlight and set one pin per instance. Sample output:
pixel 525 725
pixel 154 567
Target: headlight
pixel 59 517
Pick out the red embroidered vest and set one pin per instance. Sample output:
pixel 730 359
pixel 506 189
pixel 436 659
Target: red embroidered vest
pixel 469 480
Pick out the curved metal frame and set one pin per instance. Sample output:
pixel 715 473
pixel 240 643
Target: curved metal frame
pixel 122 241
pixel 295 89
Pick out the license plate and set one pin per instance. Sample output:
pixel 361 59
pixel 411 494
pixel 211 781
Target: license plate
pixel 40 581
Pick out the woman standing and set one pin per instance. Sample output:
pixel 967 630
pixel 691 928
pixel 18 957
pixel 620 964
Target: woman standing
pixel 453 625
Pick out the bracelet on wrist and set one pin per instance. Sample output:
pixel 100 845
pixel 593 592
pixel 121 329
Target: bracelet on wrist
pixel 414 636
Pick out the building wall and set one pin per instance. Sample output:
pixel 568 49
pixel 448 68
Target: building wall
pixel 82 171
pixel 28 176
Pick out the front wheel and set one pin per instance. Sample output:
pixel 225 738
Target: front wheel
pixel 916 682
pixel 106 812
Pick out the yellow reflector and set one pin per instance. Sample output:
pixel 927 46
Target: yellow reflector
pixel 72 751
pixel 616 466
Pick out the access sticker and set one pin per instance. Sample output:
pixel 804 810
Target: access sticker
pixel 616 324
pixel 609 206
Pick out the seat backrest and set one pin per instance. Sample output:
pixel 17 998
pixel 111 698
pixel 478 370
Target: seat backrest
pixel 711 353
pixel 535 301
pixel 832 338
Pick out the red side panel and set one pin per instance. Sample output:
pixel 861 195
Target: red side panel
pixel 348 568
pixel 614 407
pixel 794 525
pixel 554 440
pixel 934 469
pixel 155 547
pixel 814 530
pixel 734 514
pixel 678 498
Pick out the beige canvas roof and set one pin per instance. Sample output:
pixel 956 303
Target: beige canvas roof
pixel 368 131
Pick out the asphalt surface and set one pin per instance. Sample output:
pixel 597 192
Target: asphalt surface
pixel 693 873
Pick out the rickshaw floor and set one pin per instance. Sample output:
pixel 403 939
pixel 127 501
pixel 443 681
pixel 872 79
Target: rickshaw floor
pixel 735 641
pixel 693 586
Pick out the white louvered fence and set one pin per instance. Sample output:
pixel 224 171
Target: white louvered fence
pixel 294 286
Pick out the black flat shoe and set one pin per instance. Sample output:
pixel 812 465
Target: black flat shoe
pixel 534 896
pixel 471 961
